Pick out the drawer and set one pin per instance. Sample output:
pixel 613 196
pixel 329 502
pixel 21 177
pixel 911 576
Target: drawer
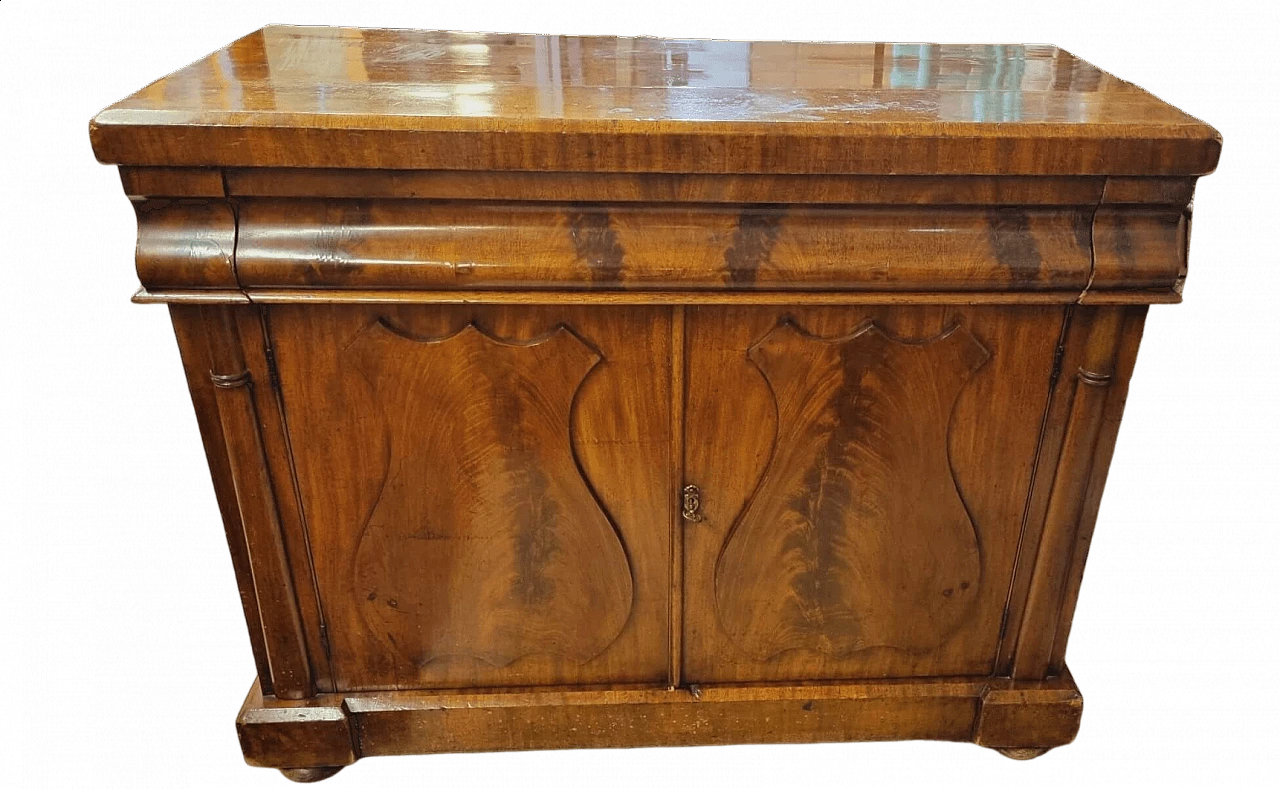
pixel 444 244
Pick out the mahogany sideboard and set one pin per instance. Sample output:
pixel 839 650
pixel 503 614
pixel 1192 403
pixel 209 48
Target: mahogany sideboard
pixel 603 392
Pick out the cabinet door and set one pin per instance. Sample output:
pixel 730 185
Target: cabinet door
pixel 863 474
pixel 486 489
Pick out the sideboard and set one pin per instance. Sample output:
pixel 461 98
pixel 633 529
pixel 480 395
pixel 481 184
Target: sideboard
pixel 603 392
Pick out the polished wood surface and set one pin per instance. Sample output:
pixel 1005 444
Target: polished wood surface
pixel 828 513
pixel 186 243
pixel 593 392
pixel 188 326
pixel 656 187
pixel 340 97
pixel 850 407
pixel 1082 424
pixel 530 547
pixel 1106 253
pixel 523 584
pixel 440 245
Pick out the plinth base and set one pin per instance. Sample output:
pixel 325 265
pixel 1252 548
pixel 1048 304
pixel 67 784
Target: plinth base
pixel 309 740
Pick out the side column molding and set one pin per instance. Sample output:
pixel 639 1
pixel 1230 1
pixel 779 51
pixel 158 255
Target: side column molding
pixel 1096 393
pixel 256 498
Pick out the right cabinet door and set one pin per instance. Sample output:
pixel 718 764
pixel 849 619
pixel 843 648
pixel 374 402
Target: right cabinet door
pixel 864 473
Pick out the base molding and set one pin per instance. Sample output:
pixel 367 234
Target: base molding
pixel 333 730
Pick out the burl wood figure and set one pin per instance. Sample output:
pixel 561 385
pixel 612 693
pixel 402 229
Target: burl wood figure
pixel 603 392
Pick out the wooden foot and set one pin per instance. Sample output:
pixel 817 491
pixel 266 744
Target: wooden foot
pixel 1024 719
pixel 308 775
pixel 1022 754
pixel 305 740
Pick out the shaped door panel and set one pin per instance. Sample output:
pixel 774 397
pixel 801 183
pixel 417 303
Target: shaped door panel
pixel 485 490
pixel 491 545
pixel 864 473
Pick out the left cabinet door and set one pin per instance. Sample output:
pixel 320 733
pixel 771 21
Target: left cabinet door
pixel 486 490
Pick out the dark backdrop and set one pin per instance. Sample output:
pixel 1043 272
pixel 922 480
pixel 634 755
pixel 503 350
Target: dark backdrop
pixel 181 660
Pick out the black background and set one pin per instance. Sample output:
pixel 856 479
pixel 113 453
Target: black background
pixel 176 650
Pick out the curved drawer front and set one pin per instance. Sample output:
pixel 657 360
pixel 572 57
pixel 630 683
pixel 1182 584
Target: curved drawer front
pixel 423 244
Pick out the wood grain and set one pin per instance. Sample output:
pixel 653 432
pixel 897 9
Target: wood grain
pixel 678 371
pixel 1024 721
pixel 258 501
pixel 341 249
pixel 173 182
pixel 292 735
pixel 857 535
pixel 1166 191
pixel 967 425
pixel 658 187
pixel 397 99
pixel 514 458
pixel 190 329
pixel 511 246
pixel 1140 247
pixel 1081 432
pixel 1118 391
pixel 336 729
pixel 188 244
pixel 492 545
pixel 255 343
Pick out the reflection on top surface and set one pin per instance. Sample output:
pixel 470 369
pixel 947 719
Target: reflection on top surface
pixel 331 76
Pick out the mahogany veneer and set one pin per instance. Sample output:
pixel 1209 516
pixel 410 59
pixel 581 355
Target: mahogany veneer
pixel 605 392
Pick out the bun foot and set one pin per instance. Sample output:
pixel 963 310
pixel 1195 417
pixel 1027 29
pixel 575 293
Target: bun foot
pixel 308 775
pixel 1022 754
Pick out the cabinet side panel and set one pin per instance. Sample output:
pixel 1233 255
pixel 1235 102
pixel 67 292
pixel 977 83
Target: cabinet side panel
pixel 487 490
pixel 863 476
pixel 189 327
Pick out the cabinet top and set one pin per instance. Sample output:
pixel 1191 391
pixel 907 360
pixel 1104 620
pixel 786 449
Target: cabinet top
pixel 405 99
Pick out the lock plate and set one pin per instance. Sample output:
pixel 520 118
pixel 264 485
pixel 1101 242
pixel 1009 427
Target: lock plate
pixel 692 504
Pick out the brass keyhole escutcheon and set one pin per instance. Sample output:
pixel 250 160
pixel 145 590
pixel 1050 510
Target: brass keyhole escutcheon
pixel 691 511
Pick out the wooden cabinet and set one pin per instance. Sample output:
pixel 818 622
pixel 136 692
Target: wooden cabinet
pixel 577 415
